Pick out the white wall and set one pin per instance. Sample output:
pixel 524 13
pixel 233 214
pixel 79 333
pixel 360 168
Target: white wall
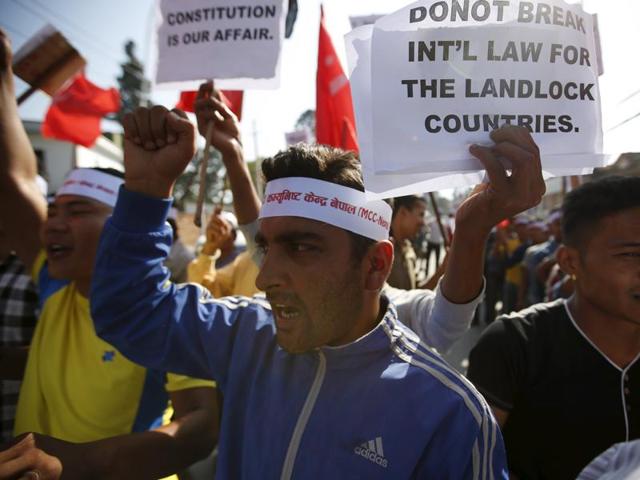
pixel 59 156
pixel 103 154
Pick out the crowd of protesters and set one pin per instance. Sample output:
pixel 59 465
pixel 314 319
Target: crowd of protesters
pixel 300 340
pixel 520 265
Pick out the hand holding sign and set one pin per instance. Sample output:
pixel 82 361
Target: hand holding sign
pixel 455 70
pixel 209 108
pixel 158 146
pixel 505 195
pixel 219 126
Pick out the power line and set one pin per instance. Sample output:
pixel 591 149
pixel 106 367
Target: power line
pixel 97 45
pixel 624 121
pixel 629 96
pixel 15 31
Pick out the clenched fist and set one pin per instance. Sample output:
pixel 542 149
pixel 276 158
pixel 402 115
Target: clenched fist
pixel 158 146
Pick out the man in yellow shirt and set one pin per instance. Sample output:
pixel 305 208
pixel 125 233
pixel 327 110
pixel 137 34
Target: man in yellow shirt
pixel 78 388
pixel 236 278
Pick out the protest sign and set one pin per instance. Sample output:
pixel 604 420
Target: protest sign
pixel 46 61
pixel 236 43
pixel 358 47
pixel 445 73
pixel 360 21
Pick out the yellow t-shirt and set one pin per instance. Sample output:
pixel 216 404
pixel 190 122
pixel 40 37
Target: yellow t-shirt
pixel 78 387
pixel 237 278
pixel 513 274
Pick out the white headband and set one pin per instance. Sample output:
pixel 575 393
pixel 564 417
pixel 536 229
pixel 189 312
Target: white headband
pixel 95 184
pixel 327 202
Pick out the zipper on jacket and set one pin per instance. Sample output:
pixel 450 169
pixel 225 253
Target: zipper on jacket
pixel 294 444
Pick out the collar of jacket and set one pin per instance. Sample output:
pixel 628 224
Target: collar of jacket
pixel 370 346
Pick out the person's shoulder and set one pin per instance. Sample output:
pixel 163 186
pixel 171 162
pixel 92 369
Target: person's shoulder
pixel 47 285
pixel 535 318
pixel 526 327
pixel 429 373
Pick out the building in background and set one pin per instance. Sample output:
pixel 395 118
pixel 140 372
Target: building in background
pixel 56 158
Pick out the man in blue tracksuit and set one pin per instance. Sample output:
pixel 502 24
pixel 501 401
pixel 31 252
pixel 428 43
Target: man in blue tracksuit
pixel 321 381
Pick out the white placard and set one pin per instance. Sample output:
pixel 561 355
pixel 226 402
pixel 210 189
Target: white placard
pixel 359 21
pixel 235 42
pixel 445 73
pixel 358 47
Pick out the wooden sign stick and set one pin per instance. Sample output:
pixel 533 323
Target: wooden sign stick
pixel 197 219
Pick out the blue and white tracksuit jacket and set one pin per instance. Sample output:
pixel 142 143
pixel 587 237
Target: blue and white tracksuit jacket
pixel 384 406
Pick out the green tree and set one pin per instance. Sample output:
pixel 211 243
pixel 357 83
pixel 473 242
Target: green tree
pixel 134 87
pixel 307 119
pixel 188 184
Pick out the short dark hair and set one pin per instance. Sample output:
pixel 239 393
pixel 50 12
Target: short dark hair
pixel 585 206
pixel 408 202
pixel 323 163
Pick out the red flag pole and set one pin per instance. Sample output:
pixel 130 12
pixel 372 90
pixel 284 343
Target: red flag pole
pixel 436 210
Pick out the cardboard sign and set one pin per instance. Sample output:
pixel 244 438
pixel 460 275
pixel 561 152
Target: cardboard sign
pixel 358 46
pixel 47 60
pixel 359 21
pixel 445 73
pixel 236 44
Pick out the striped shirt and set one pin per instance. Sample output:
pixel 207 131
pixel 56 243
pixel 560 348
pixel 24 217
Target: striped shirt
pixel 18 314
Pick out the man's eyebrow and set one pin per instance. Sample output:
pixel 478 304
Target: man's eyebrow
pixel 625 244
pixel 288 237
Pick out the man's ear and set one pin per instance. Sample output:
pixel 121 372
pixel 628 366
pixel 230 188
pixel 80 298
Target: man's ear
pixel 568 259
pixel 377 264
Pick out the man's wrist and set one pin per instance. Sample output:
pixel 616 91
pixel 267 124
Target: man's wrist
pixel 151 188
pixel 136 212
pixel 232 153
pixel 472 231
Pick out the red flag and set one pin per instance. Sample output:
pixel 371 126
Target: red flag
pixel 231 98
pixel 335 123
pixel 75 112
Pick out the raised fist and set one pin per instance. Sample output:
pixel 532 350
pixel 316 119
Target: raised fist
pixel 158 146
